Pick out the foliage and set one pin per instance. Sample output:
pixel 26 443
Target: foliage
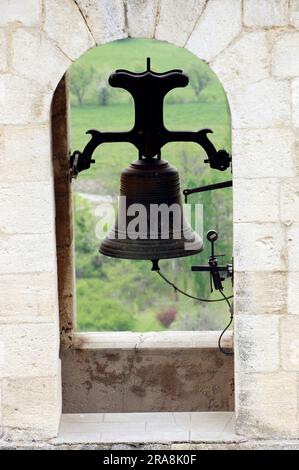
pixel 166 317
pixel 84 223
pixel 138 298
pixel 102 88
pixel 132 55
pixel 98 312
pixel 82 77
pixel 199 79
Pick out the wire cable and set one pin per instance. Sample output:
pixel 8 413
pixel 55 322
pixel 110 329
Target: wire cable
pixel 177 289
pixel 227 353
pixel 225 298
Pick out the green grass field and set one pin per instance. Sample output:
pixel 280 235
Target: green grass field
pixel 131 54
pixel 105 299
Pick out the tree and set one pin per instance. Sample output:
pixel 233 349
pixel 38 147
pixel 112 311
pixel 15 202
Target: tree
pixel 81 79
pixel 85 222
pixel 199 79
pixel 99 311
pixel 102 89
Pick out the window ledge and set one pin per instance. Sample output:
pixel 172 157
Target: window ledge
pixel 152 340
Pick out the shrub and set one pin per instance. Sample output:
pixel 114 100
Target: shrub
pixel 166 317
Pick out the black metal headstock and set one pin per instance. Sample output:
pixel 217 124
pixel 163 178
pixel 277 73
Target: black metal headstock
pixel 149 134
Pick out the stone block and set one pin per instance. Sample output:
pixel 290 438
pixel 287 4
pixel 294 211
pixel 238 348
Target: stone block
pixel 256 200
pixel 141 18
pixel 3 51
pixel 263 153
pixel 289 200
pixel 29 350
pixel 26 208
pixel 26 154
pixel 105 18
pixel 28 253
pixel 23 101
pixel 266 405
pixel 290 342
pixel 260 293
pixel 37 58
pixel 171 26
pixel 15 11
pixel 66 26
pixel 2 129
pixel 236 69
pixel 167 379
pixel 223 18
pixel 28 298
pixel 31 407
pixel 256 343
pixel 295 102
pixel 265 13
pixel 296 152
pixel 285 55
pixel 293 283
pixel 259 247
pixel 294 13
pixel 293 247
pixel 271 106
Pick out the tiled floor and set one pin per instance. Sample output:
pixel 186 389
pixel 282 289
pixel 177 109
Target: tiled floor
pixel 146 427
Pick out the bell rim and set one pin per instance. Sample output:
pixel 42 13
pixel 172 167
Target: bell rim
pixel 146 250
pixel 152 256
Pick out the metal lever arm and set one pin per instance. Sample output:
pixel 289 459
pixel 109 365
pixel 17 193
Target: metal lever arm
pixel 207 187
pixel 217 159
pixel 148 147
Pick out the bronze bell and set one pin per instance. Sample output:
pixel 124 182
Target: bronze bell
pixel 150 182
pixel 153 184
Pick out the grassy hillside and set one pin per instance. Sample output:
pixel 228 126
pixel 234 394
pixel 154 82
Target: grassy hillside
pixel 131 54
pixel 117 294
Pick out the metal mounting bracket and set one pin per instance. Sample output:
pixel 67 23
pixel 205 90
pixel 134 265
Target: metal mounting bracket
pixel 149 134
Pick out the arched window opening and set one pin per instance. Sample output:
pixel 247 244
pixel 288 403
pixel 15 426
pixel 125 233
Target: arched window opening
pixel 125 295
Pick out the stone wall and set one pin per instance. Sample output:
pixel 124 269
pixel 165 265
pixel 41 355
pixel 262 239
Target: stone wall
pixel 143 372
pixel 252 45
